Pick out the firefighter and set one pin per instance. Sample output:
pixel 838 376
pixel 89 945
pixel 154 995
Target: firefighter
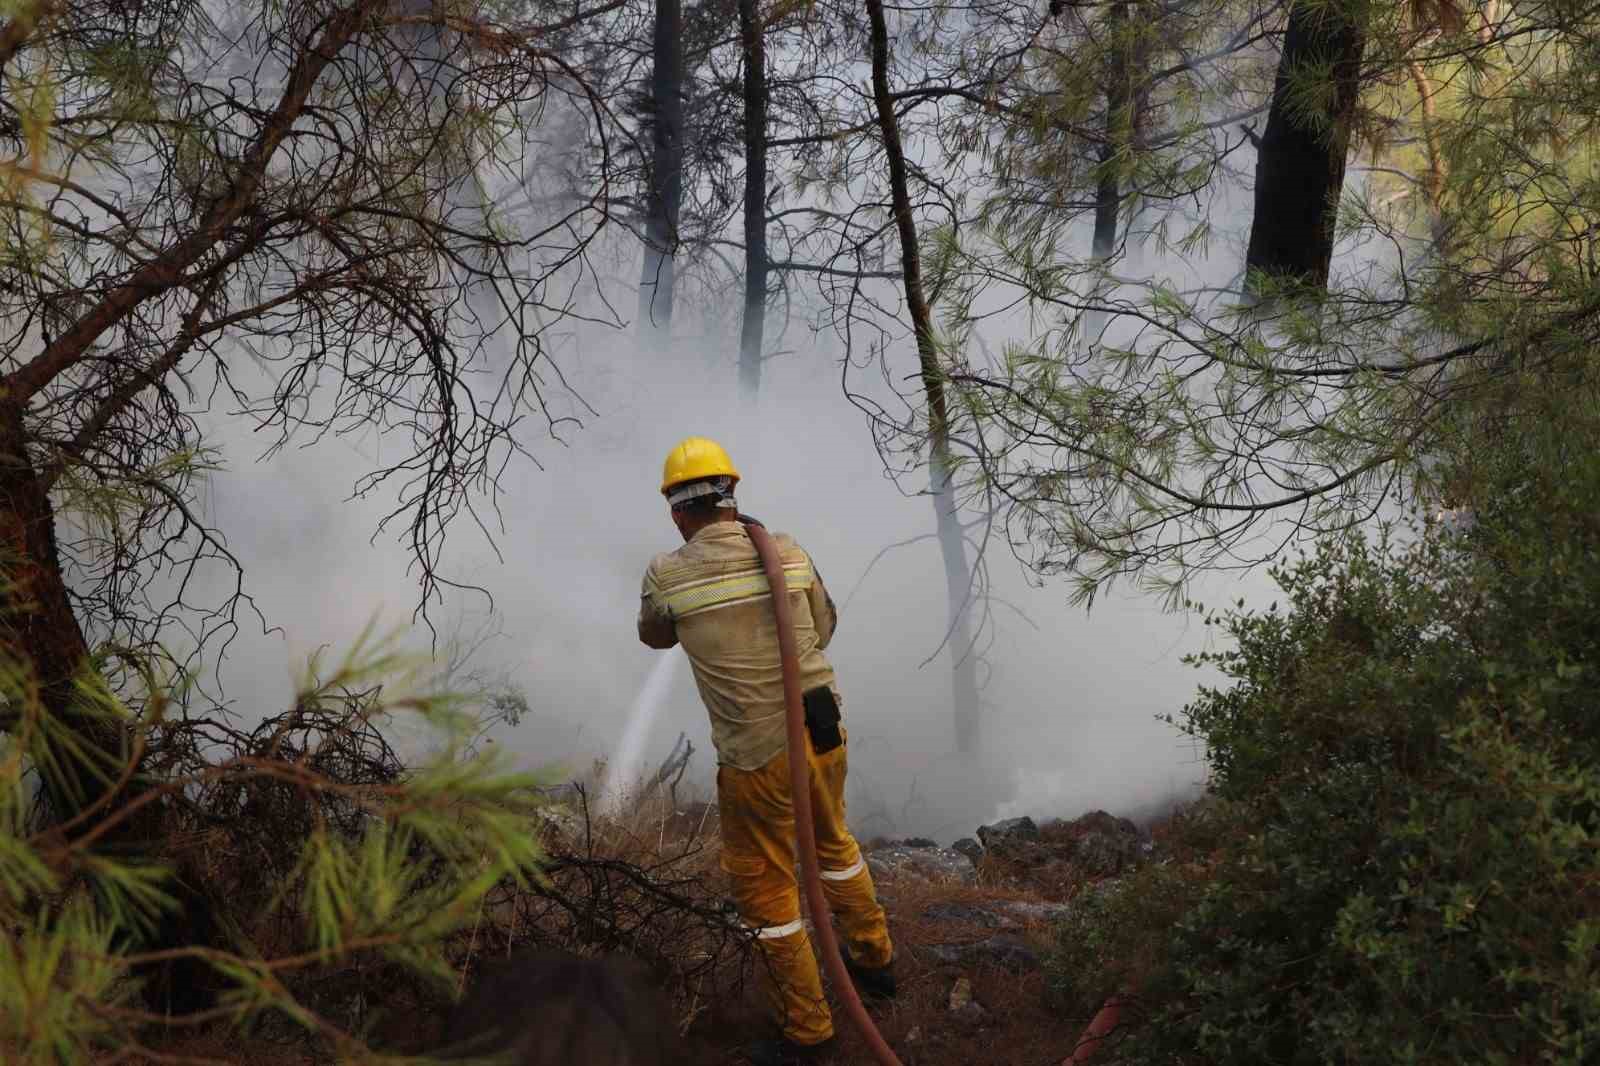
pixel 712 597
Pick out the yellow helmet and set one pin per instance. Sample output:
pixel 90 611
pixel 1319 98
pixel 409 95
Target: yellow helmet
pixel 693 459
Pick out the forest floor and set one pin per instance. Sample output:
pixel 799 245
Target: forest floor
pixel 978 935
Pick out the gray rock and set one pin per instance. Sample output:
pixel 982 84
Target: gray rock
pixel 1011 831
pixel 970 848
pixel 897 861
pixel 1008 952
pixel 1016 841
pixel 1106 845
pixel 968 914
pixel 1030 913
pixel 997 914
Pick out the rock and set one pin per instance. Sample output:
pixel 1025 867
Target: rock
pixel 997 914
pixel 970 848
pixel 1030 913
pixel 1105 845
pixel 1016 841
pixel 972 1016
pixel 896 861
pixel 1009 952
pixel 1004 950
pixel 917 842
pixel 964 1010
pixel 967 914
pixel 1054 857
pixel 945 954
pixel 1012 831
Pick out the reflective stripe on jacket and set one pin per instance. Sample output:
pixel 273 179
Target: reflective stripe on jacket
pixel 711 596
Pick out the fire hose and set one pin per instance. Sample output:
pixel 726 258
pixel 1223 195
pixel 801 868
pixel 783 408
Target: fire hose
pixel 805 830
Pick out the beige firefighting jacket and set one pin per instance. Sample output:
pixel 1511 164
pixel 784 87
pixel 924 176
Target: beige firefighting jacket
pixel 711 595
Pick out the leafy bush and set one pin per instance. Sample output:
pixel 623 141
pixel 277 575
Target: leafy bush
pixel 1409 754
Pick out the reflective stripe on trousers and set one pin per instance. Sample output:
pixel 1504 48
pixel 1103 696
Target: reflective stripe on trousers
pixel 773 932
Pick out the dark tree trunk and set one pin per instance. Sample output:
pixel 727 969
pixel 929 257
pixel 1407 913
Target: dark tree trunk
pixel 665 193
pixel 87 779
pixel 1118 124
pixel 40 634
pixel 952 543
pixel 1107 193
pixel 1118 131
pixel 84 765
pixel 1301 158
pixel 751 34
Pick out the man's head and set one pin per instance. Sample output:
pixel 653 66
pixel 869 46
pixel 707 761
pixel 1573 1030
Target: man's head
pixel 692 517
pixel 698 480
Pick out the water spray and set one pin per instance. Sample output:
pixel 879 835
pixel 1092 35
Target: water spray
pixel 622 771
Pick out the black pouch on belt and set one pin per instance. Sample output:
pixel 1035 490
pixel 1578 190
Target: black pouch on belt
pixel 822 719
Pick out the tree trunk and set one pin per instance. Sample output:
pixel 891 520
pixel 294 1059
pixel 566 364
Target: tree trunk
pixel 455 183
pixel 751 33
pixel 86 776
pixel 665 191
pixel 958 587
pixel 1301 158
pixel 952 543
pixel 83 759
pixel 40 636
pixel 1118 127
pixel 1118 123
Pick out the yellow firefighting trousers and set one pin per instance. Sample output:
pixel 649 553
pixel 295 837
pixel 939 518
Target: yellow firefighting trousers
pixel 758 853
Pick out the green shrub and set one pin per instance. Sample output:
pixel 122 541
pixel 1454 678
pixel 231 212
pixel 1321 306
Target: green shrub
pixel 1116 935
pixel 1409 750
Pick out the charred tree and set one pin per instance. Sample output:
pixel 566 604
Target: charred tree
pixel 1301 158
pixel 752 37
pixel 952 542
pixel 664 176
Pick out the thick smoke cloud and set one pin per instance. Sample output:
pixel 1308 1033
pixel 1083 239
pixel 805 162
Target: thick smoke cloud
pixel 1072 695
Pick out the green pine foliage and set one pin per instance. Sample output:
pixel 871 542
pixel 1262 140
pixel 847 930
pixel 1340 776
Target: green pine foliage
pixel 354 867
